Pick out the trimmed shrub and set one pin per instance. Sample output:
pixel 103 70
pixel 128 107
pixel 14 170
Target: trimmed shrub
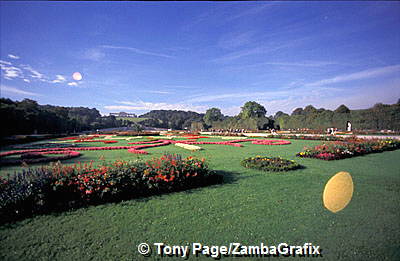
pixel 270 164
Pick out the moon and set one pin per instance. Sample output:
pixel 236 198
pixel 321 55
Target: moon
pixel 77 76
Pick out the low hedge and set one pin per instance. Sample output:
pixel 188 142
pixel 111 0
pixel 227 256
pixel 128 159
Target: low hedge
pixel 59 187
pixel 270 164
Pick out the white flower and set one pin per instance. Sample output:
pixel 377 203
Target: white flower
pixel 188 146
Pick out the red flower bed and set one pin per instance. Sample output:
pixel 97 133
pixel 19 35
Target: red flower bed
pixel 136 151
pixel 271 142
pixel 68 152
pixel 210 142
pixel 141 145
pixel 65 154
pixel 109 141
pixel 59 187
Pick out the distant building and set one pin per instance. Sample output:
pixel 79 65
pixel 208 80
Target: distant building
pixel 123 114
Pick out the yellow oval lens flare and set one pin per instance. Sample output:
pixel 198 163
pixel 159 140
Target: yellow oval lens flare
pixel 338 191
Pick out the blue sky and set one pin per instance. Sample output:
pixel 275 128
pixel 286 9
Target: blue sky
pixel 140 56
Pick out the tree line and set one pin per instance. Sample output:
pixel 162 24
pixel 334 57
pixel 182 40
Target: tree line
pixel 171 119
pixel 253 117
pixel 379 117
pixel 28 117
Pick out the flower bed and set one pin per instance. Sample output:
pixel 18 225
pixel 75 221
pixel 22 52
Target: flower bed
pixel 37 157
pixel 142 145
pixel 109 141
pixel 271 142
pixel 270 164
pixel 188 146
pixel 59 187
pixel 354 147
pixel 131 149
pixel 210 142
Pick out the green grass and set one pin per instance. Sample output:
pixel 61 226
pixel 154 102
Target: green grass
pixel 251 207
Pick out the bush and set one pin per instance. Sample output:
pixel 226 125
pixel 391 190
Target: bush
pixel 270 164
pixel 61 187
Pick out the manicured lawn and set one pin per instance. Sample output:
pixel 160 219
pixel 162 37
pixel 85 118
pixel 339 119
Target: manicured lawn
pixel 250 208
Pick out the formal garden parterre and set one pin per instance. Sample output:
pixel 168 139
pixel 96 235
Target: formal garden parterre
pixel 90 184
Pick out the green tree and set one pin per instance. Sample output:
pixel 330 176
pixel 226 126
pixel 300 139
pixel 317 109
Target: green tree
pixel 212 115
pixel 279 114
pixel 298 111
pixel 252 109
pixel 309 110
pixel 342 109
pixel 197 126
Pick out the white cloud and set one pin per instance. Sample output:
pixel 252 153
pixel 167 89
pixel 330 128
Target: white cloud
pixel 370 73
pixel 262 48
pixel 5 62
pixel 231 111
pixel 239 95
pixel 234 40
pixel 94 54
pixel 8 89
pixel 252 11
pixel 140 105
pixel 34 74
pixel 242 53
pixel 219 15
pixel 136 50
pixel 10 72
pixel 13 56
pixel 59 79
pixel 72 84
pixel 159 92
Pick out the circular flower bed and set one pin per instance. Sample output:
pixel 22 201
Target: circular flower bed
pixel 270 164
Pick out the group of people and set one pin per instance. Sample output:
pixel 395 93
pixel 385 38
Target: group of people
pixel 331 131
pixel 229 131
